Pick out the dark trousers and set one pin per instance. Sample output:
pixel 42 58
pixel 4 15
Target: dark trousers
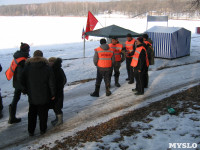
pixel 34 111
pixel 146 77
pixel 116 68
pixel 103 74
pixel 128 65
pixel 1 103
pixel 139 81
pixel 16 98
pixel 132 74
pixel 58 103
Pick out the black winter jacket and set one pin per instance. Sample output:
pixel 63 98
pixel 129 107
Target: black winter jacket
pixel 0 68
pixel 38 80
pixel 19 69
pixel 142 59
pixel 60 76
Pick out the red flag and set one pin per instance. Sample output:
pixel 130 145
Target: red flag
pixel 91 23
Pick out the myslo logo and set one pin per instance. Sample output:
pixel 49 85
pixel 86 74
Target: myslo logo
pixel 183 145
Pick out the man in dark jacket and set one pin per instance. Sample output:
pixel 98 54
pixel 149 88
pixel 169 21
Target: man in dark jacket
pixel 39 83
pixel 61 80
pixel 139 62
pixel 104 59
pixel 1 104
pixel 23 52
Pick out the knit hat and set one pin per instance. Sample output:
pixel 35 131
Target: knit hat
pixel 38 53
pixel 24 47
pixel 145 36
pixel 103 41
pixel 140 39
pixel 114 38
pixel 129 35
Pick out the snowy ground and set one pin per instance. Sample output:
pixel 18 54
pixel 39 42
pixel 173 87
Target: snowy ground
pixel 54 35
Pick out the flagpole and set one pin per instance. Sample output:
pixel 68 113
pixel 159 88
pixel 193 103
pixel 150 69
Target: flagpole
pixel 83 46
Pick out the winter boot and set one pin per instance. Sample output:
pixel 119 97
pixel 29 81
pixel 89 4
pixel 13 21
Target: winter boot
pixel 53 122
pixel 1 107
pixel 60 120
pixel 12 118
pixel 96 92
pixel 1 115
pixel 117 82
pixel 108 93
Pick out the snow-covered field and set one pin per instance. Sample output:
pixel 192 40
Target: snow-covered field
pixel 61 37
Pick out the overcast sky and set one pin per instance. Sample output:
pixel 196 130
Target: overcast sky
pixel 14 2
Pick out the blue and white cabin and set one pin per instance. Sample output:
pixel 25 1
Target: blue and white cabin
pixel 170 42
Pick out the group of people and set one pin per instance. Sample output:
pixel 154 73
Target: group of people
pixel 108 57
pixel 43 81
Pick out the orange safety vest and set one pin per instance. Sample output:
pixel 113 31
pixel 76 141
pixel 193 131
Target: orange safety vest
pixel 129 46
pixel 136 56
pixel 105 57
pixel 147 42
pixel 13 66
pixel 117 49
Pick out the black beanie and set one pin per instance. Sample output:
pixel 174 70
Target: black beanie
pixel 129 35
pixel 145 36
pixel 140 39
pixel 103 41
pixel 24 47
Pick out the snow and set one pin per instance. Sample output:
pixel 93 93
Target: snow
pixel 161 131
pixel 61 37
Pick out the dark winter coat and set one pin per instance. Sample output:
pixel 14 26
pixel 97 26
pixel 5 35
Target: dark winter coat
pixel 19 69
pixel 0 68
pixel 39 81
pixel 96 58
pixel 60 76
pixel 142 59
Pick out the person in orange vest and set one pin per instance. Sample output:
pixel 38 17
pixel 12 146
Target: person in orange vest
pixel 1 104
pixel 104 59
pixel 139 63
pixel 147 45
pixel 129 47
pixel 15 71
pixel 119 58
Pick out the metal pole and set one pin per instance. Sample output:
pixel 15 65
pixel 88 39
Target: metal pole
pixel 84 47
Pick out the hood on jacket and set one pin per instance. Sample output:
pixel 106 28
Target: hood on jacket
pixel 37 60
pixel 104 46
pixel 57 63
pixel 19 54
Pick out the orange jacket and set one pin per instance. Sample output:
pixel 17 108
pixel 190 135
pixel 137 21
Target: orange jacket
pixel 13 66
pixel 147 42
pixel 129 46
pixel 105 57
pixel 136 56
pixel 117 49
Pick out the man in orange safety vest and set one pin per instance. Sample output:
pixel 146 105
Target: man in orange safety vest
pixel 104 59
pixel 119 58
pixel 15 70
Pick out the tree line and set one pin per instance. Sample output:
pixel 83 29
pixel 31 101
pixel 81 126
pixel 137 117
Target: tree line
pixel 134 8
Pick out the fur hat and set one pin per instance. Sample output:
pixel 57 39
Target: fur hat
pixel 38 53
pixel 52 59
pixel 140 39
pixel 24 47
